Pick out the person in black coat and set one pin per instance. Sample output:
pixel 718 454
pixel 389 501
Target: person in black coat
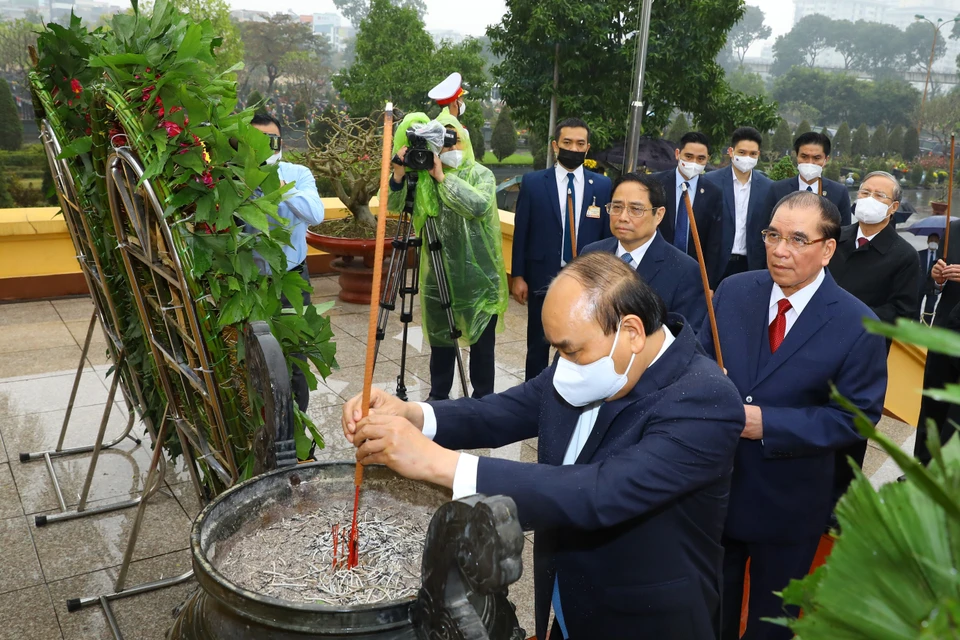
pixel 813 153
pixel 928 258
pixel 636 210
pixel 881 270
pixel 706 199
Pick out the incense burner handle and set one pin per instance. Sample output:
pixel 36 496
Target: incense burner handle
pixel 471 555
pixel 267 375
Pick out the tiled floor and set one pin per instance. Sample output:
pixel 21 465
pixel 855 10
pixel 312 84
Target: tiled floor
pixel 40 568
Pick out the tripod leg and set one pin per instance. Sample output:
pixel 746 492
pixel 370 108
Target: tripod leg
pixel 443 288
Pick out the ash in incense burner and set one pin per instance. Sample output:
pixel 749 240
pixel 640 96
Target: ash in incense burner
pixel 429 568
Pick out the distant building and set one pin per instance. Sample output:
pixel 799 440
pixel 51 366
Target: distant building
pixel 333 26
pixel 243 15
pixel 16 9
pixel 852 10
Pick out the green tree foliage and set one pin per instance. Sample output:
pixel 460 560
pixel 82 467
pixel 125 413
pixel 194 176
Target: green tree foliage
pixel 879 48
pixel 397 60
pixel 320 130
pixel 356 10
pixel 911 143
pixel 826 132
pixel 860 143
pixel 878 141
pixel 11 129
pixel 782 169
pixel 747 30
pixel 597 46
pixel 918 39
pixel 503 142
pixel 6 200
pixel 941 116
pixel 472 120
pixel 803 127
pixel 746 82
pixel 895 141
pixel 841 97
pixel 841 139
pixel 256 99
pixel 15 37
pixel 266 43
pixel 308 71
pixel 678 128
pixel 300 112
pixel 230 52
pixel 801 46
pixel 782 138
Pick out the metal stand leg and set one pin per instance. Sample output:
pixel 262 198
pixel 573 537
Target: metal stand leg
pixel 443 287
pixel 153 483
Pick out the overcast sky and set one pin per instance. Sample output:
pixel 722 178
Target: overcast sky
pixel 471 17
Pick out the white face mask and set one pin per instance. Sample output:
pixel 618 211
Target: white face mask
pixel 809 172
pixel 933 246
pixel 275 158
pixel 744 163
pixel 461 107
pixel 452 159
pixel 691 169
pixel 582 384
pixel 870 210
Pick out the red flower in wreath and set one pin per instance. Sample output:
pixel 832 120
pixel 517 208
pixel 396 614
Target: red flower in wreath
pixel 173 129
pixel 76 87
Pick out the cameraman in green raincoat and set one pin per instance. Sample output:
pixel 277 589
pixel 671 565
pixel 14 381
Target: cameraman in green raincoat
pixel 460 195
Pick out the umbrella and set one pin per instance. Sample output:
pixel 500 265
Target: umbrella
pixel 932 224
pixel 655 155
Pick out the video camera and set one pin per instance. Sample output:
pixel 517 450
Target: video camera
pixel 419 156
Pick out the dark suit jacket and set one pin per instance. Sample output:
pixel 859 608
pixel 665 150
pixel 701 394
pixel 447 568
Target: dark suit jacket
pixel 674 275
pixel 950 295
pixel 884 274
pixel 538 227
pixel 633 528
pixel 708 212
pixel 782 489
pixel 757 215
pixel 927 284
pixel 832 191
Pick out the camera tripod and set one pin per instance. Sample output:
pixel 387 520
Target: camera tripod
pixel 405 281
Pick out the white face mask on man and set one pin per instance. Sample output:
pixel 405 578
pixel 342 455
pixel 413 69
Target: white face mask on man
pixel 583 384
pixel 809 171
pixel 451 158
pixel 744 163
pixel 275 158
pixel 870 210
pixel 691 169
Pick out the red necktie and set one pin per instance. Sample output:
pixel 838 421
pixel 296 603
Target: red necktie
pixel 861 242
pixel 778 328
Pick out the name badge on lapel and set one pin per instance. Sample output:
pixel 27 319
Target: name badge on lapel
pixel 593 211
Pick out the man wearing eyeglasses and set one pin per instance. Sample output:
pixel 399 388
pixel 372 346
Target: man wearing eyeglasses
pixel 636 210
pixel 881 269
pixel 788 334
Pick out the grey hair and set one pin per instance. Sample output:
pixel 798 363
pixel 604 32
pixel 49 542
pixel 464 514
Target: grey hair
pixel 897 190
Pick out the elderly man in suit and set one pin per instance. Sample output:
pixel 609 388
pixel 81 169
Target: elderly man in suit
pixel 636 210
pixel 928 288
pixel 705 199
pixel 788 334
pixel 560 210
pixel 745 194
pixel 812 151
pixel 637 430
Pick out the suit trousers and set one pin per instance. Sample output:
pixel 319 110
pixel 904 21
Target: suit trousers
pixel 298 381
pixel 443 362
pixel 772 566
pixel 538 351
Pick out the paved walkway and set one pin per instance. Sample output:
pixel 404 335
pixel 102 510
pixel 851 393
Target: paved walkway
pixel 40 568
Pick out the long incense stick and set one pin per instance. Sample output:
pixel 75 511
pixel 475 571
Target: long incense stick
pixel 707 294
pixel 946 235
pixel 353 558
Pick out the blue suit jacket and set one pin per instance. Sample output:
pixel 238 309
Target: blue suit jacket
pixel 783 484
pixel 708 212
pixel 538 227
pixel 757 215
pixel 632 529
pixel 832 191
pixel 674 275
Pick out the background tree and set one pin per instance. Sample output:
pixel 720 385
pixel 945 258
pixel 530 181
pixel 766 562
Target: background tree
pixel 844 41
pixel 826 132
pixel 810 36
pixel 911 143
pixel 917 40
pixel 11 129
pixel 308 72
pixel 895 141
pixel 841 139
pixel 356 10
pixel 15 37
pixel 678 128
pixel 879 48
pixel 941 117
pixel 747 30
pixel 860 143
pixel 803 127
pixel 472 120
pixel 746 82
pixel 397 60
pixel 218 13
pixel 596 50
pixel 321 130
pixel 6 200
pixel 878 141
pixel 503 142
pixel 266 44
pixel 782 138
pixel 890 101
pixel 256 99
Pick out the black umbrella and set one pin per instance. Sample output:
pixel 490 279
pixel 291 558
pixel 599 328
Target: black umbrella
pixel 654 154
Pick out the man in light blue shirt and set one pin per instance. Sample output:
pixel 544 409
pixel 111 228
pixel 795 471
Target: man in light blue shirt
pixel 301 208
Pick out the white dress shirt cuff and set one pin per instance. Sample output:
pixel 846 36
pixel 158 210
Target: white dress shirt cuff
pixel 465 477
pixel 429 421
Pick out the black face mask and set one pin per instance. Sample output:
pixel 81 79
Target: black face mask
pixel 571 159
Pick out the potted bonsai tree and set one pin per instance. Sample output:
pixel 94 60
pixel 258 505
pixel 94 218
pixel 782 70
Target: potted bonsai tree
pixel 348 157
pixel 939 184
